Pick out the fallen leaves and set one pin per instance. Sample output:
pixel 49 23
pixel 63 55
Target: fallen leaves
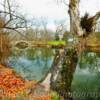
pixel 12 84
pixel 42 98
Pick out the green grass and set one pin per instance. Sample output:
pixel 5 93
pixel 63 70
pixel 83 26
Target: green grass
pixel 56 43
pixel 54 95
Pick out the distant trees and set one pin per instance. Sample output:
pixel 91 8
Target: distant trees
pixel 38 35
pixel 60 28
pixel 39 30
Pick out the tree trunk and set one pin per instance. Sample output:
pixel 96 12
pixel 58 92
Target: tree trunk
pixel 60 76
pixel 52 74
pixel 63 81
pixel 74 18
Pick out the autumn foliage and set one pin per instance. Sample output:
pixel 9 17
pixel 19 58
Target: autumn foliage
pixel 11 84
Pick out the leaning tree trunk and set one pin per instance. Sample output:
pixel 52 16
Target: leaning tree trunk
pixel 60 76
pixel 64 73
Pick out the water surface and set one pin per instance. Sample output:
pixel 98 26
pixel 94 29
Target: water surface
pixel 33 64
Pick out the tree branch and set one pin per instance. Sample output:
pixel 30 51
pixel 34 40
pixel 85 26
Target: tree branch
pixel 12 14
pixel 9 7
pixel 14 29
pixel 9 21
pixel 65 3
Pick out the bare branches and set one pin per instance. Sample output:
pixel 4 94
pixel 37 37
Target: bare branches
pixel 12 20
pixel 10 13
pixel 96 17
pixel 65 2
pixel 9 7
pixel 15 29
pixel 17 21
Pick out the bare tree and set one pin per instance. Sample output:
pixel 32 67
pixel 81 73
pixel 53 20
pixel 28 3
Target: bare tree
pixel 13 20
pixel 44 23
pixel 60 29
pixel 9 21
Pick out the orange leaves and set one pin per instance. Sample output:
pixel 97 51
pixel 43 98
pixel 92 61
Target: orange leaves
pixel 11 85
pixel 43 97
pixel 9 82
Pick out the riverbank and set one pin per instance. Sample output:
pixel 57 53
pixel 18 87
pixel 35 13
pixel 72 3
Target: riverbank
pixel 13 85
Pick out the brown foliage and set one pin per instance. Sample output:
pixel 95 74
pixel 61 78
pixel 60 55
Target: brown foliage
pixel 11 83
pixel 2 22
pixel 4 47
pixel 4 42
pixel 87 23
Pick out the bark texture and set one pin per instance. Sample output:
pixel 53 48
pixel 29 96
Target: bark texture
pixel 61 74
pixel 74 18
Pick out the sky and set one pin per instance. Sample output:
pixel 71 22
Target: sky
pixel 46 8
pixel 52 10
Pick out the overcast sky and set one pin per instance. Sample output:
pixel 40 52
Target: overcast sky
pixel 50 8
pixel 53 11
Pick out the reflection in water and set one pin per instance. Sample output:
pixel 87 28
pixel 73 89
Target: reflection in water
pixel 86 83
pixel 32 64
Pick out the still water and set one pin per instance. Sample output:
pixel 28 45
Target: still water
pixel 33 64
pixel 86 82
